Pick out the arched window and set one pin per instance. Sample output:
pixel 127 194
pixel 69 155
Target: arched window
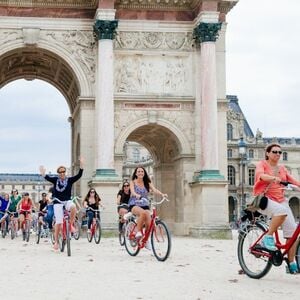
pixel 231 175
pixel 229 132
pixel 229 153
pixel 284 156
pixel 251 153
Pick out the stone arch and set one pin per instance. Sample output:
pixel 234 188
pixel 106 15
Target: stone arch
pixel 47 63
pixel 181 140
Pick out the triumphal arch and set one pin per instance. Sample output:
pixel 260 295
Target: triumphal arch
pixel 147 71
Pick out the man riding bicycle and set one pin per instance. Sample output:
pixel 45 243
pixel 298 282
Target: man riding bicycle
pixel 62 189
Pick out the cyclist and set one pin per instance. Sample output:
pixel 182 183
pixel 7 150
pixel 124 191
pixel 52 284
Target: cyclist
pixel 268 175
pixel 42 208
pixel 140 186
pixel 15 198
pixel 4 205
pixel 122 202
pixel 93 201
pixel 25 207
pixel 62 189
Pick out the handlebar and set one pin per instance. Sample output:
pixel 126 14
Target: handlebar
pixel 95 210
pixel 289 186
pixel 161 201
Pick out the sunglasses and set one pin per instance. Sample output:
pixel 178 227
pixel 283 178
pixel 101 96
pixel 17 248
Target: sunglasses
pixel 277 152
pixel 92 191
pixel 61 172
pixel 126 185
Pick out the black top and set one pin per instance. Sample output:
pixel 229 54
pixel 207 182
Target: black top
pixel 124 197
pixel 62 190
pixel 43 204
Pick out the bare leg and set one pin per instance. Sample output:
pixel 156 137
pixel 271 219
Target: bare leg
pixel 292 251
pixel 275 223
pixel 56 232
pixel 72 214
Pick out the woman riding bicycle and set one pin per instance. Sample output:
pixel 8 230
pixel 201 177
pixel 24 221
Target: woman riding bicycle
pixel 25 207
pixel 268 175
pixel 4 205
pixel 62 189
pixel 122 202
pixel 140 186
pixel 93 201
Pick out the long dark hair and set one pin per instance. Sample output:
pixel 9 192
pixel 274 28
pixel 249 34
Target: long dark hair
pixel 97 197
pixel 146 178
pixel 269 149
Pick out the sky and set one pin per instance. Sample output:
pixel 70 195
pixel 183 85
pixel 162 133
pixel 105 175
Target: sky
pixel 263 64
pixel 262 70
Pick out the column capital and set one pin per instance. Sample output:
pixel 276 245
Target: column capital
pixel 207 32
pixel 105 29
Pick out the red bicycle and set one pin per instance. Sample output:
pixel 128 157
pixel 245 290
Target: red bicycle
pixel 25 224
pixel 157 231
pixel 255 260
pixel 64 236
pixel 95 230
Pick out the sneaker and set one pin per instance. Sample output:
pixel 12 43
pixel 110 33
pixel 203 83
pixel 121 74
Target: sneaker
pixel 138 235
pixel 268 242
pixel 292 269
pixel 88 231
pixel 19 232
pixel 148 245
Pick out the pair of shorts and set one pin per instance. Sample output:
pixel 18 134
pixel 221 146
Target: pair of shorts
pixel 274 209
pixel 143 207
pixel 59 210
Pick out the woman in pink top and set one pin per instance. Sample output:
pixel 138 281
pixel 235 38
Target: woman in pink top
pixel 268 175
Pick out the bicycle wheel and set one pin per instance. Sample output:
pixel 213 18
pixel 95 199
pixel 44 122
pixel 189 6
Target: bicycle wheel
pixel 122 235
pixel 3 229
pixel 76 234
pixel 298 254
pixel 68 237
pixel 131 244
pixel 12 230
pixel 161 241
pixel 254 265
pixel 90 233
pixel 98 232
pixel 27 231
pixel 38 233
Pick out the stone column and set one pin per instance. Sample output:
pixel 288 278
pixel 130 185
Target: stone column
pixel 104 29
pixel 206 34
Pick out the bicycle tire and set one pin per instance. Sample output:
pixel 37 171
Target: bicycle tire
pixel 89 234
pixel 122 235
pixel 131 244
pixel 298 255
pixel 76 234
pixel 12 230
pixel 3 229
pixel 27 231
pixel 255 266
pixel 161 241
pixel 68 237
pixel 38 233
pixel 98 232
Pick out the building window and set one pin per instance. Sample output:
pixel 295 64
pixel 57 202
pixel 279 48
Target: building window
pixel 284 156
pixel 33 187
pixel 136 154
pixel 229 153
pixel 229 132
pixel 251 153
pixel 231 175
pixel 23 186
pixel 251 176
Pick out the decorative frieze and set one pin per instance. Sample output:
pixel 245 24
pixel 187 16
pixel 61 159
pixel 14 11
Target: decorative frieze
pixel 51 3
pixel 105 29
pixel 156 74
pixel 179 41
pixel 79 44
pixel 7 36
pixel 156 4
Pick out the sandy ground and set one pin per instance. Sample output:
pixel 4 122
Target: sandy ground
pixel 196 269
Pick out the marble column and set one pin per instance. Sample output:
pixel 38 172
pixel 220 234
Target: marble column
pixel 104 30
pixel 206 34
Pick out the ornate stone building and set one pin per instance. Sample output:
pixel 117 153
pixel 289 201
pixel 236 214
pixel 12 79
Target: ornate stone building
pixel 151 72
pixel 241 170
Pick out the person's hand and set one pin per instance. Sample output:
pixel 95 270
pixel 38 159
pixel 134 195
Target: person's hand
pixel 164 195
pixel 42 170
pixel 137 196
pixel 81 162
pixel 277 179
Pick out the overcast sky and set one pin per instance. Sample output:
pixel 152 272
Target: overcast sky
pixel 263 70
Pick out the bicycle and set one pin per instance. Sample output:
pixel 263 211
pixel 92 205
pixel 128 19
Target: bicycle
pixel 254 259
pixel 42 229
pixel 95 230
pixel 4 227
pixel 157 231
pixel 64 236
pixel 13 224
pixel 25 225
